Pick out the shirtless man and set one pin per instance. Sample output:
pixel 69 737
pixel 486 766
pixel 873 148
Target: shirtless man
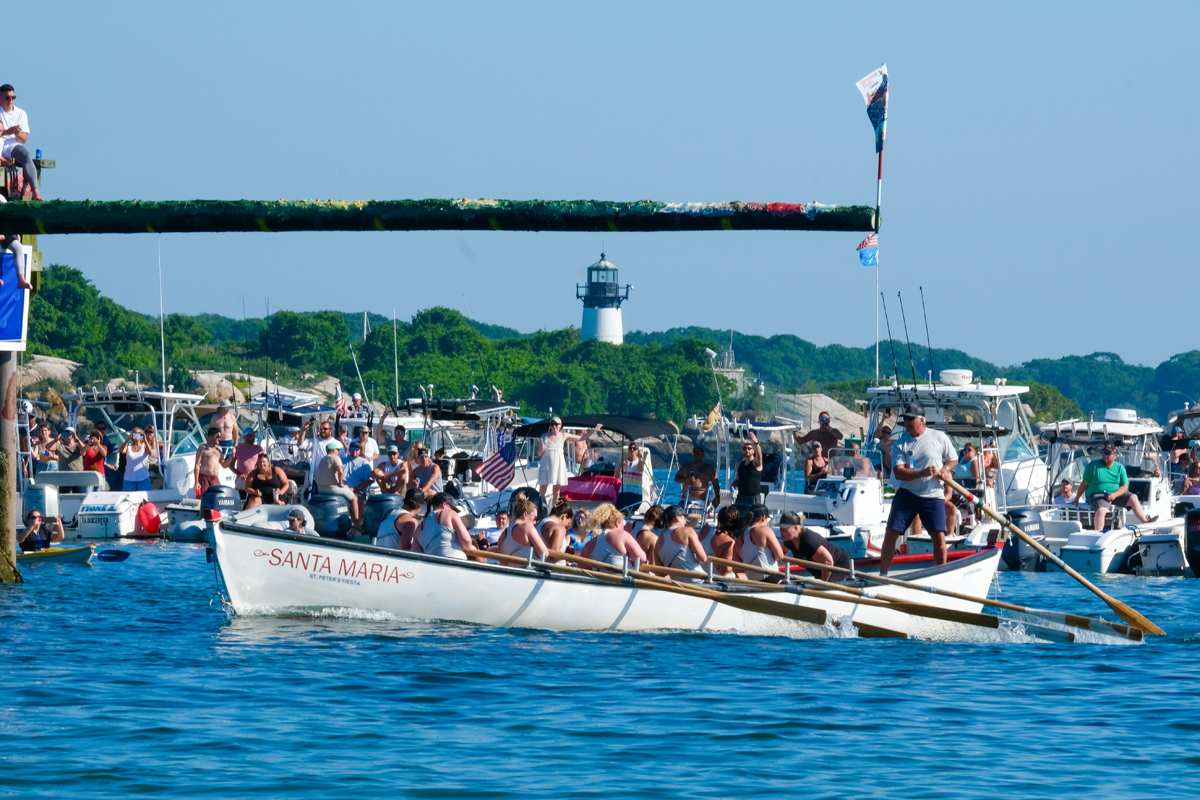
pixel 696 477
pixel 225 421
pixel 825 434
pixel 392 475
pixel 209 460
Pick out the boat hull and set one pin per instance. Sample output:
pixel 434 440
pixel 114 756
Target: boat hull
pixel 270 572
pixel 57 555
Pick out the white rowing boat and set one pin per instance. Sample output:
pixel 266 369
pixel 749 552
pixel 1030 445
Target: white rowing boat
pixel 264 571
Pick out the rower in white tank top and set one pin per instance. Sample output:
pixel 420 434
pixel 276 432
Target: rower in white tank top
pixel 679 556
pixel 439 540
pixel 706 539
pixel 759 557
pixel 604 552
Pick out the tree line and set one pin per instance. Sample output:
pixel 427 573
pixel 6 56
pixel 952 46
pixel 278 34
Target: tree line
pixel 665 373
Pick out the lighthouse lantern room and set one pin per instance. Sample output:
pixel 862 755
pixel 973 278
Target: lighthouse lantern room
pixel 602 298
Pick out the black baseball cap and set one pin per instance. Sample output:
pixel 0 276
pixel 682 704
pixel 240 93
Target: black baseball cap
pixel 912 411
pixel 791 518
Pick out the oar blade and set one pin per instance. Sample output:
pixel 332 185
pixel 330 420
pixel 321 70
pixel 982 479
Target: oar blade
pixel 868 631
pixel 112 555
pixel 1132 617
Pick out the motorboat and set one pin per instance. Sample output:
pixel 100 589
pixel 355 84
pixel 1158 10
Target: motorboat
pixel 90 508
pixel 264 571
pixel 1073 444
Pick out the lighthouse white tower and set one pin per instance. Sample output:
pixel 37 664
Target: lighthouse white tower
pixel 602 298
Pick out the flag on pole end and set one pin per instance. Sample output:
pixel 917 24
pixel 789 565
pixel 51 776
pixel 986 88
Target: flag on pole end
pixel 874 90
pixel 868 251
pixel 498 470
pixel 339 401
pixel 711 419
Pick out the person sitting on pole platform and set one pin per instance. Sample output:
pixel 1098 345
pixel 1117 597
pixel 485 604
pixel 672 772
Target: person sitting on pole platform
pixel 14 134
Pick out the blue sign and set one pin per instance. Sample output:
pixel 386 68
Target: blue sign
pixel 14 303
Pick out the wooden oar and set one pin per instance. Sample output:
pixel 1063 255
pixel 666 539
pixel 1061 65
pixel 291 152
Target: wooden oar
pixel 1122 610
pixel 906 606
pixel 639 580
pixel 1073 620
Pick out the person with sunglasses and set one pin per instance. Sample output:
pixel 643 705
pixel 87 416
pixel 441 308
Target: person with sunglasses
pixel 14 134
pixel 552 465
pixel 1109 484
pixel 36 535
pixel 749 472
pixel 825 433
pixel 427 476
pixel 392 475
pixel 816 467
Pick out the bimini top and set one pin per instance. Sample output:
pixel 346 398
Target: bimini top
pixel 458 410
pixel 628 427
pixel 926 391
pixel 140 396
pixel 1086 430
pixel 289 408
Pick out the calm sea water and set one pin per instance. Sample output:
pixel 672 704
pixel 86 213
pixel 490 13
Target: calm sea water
pixel 123 679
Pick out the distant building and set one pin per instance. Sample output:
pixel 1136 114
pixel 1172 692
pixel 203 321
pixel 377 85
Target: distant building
pixel 729 368
pixel 602 298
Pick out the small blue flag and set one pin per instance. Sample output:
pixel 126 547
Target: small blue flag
pixel 868 251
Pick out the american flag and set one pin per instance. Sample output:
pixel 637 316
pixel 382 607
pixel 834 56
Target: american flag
pixel 870 241
pixel 498 470
pixel 339 402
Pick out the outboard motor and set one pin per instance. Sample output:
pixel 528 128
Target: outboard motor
pixel 224 499
pixel 1019 556
pixel 379 506
pixel 1191 540
pixel 331 515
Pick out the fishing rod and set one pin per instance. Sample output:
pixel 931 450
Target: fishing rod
pixel 928 344
pixel 911 363
pixel 891 343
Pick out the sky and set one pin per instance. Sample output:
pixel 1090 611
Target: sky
pixel 1039 160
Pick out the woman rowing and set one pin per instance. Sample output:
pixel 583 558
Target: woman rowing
pixel 444 533
pixel 613 544
pixel 720 540
pixel 644 532
pixel 555 527
pixel 522 539
pixel 679 546
pixel 759 547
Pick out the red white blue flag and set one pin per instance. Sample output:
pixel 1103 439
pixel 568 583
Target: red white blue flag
pixel 498 470
pixel 874 90
pixel 868 251
pixel 339 401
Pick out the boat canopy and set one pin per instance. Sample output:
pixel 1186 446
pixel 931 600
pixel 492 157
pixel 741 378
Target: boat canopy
pixel 469 410
pixel 632 428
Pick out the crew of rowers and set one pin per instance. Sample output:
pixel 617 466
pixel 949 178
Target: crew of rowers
pixel 665 537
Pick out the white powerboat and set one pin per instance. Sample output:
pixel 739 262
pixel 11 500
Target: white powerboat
pixel 89 507
pixel 1076 443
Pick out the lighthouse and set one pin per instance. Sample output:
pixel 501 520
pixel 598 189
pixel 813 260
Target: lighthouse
pixel 602 298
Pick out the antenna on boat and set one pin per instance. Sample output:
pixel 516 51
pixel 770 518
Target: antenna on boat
pixel 396 357
pixel 162 326
pixel 911 363
pixel 891 343
pixel 928 344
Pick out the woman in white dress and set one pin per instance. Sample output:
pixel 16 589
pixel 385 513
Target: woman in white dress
pixel 552 469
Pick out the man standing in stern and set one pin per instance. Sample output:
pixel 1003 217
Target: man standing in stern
pixel 918 458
